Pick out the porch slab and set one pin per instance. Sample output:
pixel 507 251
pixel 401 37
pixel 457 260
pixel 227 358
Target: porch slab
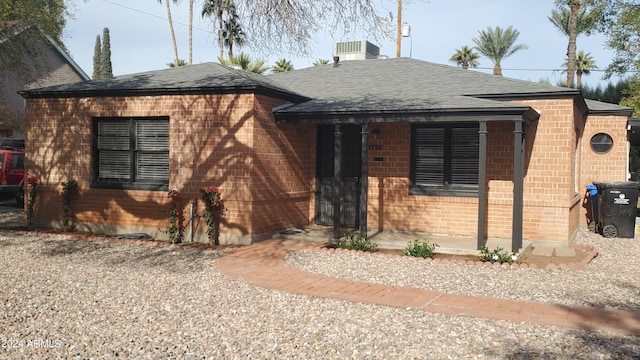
pixel 542 251
pixel 565 252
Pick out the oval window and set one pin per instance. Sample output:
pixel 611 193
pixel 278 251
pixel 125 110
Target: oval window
pixel 601 143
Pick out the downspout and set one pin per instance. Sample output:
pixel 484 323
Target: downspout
pixel 191 216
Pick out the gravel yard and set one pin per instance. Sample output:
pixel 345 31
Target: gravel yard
pixel 611 280
pixel 96 299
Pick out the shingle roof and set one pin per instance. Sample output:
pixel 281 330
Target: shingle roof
pixel 367 86
pixel 602 108
pixel 407 84
pixel 201 78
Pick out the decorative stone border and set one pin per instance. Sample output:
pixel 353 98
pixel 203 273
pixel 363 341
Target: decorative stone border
pixel 591 253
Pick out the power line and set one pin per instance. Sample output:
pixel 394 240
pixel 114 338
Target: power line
pixel 153 15
pixel 545 70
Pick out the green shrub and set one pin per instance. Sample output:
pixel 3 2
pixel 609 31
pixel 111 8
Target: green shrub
pixel 498 255
pixel 357 242
pixel 423 249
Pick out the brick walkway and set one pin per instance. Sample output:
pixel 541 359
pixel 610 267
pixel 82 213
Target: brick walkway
pixel 263 264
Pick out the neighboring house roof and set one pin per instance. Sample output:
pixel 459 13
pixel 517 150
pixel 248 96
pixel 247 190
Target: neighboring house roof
pixel 200 78
pixel 62 52
pixel 65 55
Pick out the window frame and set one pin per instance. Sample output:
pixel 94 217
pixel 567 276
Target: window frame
pixel 601 143
pixel 133 183
pixel 446 188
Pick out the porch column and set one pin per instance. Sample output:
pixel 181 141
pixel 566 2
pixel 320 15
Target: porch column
pixel 337 180
pixel 518 184
pixel 364 177
pixel 482 184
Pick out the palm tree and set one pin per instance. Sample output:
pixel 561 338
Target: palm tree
pixel 233 33
pixel 176 59
pixel 465 57
pixel 498 44
pixel 282 65
pixel 191 32
pixel 584 64
pixel 320 62
pixel 245 62
pixel 181 62
pixel 574 5
pixel 215 9
pixel 572 22
pixel 560 19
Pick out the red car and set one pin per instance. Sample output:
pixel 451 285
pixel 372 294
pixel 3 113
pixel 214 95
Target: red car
pixel 11 175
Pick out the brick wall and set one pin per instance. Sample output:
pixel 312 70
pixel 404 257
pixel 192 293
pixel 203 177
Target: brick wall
pixel 266 172
pixel 609 167
pixel 390 205
pixel 229 141
pixel 552 172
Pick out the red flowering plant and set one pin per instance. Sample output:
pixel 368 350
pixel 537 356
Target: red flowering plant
pixel 33 183
pixel 213 212
pixel 69 188
pixel 176 218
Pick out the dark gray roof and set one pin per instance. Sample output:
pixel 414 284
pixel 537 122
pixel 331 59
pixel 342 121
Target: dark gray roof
pixel 406 84
pixel 385 86
pixel 201 78
pixel 602 108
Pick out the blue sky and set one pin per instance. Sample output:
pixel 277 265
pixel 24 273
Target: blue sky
pixel 140 38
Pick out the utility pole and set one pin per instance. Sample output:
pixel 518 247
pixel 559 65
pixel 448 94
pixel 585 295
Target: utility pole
pixel 399 32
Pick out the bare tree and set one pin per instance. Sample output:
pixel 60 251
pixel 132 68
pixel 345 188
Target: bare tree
pixel 291 25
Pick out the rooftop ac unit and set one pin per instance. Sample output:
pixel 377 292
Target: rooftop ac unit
pixel 355 50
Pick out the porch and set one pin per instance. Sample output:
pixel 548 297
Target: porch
pixel 389 239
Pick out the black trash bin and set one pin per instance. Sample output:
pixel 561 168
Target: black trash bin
pixel 617 204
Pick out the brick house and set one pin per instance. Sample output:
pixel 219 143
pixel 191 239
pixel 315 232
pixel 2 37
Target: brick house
pixel 53 66
pixel 443 150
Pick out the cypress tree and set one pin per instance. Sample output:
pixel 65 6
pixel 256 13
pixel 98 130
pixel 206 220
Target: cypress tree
pixel 97 59
pixel 105 63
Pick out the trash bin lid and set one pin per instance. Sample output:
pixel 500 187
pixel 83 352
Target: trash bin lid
pixel 619 185
pixel 592 189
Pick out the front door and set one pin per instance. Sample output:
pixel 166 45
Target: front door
pixel 350 189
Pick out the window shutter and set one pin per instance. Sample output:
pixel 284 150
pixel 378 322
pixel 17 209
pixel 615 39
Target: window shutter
pixel 429 156
pixel 114 135
pixel 114 165
pixel 464 156
pixel 114 161
pixel 153 166
pixel 152 143
pixel 152 135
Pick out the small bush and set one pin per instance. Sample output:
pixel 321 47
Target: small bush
pixel 498 255
pixel 423 249
pixel 357 242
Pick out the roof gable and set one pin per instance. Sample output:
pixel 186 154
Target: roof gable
pixel 62 53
